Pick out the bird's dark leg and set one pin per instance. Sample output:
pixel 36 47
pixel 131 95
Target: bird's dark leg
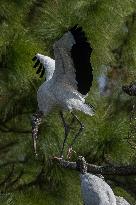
pixel 66 131
pixel 80 129
pixel 36 121
pixel 76 136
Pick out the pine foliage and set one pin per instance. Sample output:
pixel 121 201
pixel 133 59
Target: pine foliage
pixel 28 27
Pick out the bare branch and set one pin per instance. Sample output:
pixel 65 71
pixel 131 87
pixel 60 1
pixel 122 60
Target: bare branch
pixel 103 170
pixel 8 177
pixel 130 89
pixel 12 162
pixel 15 180
pixel 10 144
pixel 5 128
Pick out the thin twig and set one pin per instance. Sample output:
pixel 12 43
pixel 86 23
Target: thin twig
pixel 8 177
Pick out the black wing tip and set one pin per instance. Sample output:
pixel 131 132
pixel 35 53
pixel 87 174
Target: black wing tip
pixel 81 52
pixel 80 37
pixel 34 58
pixel 40 68
pixel 42 73
pixel 76 29
pixel 37 63
pixel 73 28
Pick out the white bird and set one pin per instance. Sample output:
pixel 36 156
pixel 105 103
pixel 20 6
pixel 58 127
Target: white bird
pixel 95 191
pixel 121 201
pixel 68 79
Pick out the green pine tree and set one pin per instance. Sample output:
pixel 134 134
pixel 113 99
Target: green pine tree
pixel 28 27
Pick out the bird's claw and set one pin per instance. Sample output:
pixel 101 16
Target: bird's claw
pixel 69 152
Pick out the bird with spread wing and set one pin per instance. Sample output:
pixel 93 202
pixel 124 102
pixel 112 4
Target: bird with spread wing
pixel 68 81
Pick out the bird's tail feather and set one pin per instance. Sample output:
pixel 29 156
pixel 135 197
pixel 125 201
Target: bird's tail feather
pixel 87 109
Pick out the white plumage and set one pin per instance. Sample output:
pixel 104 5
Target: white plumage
pixel 48 63
pixel 95 191
pixel 60 87
pixel 121 201
pixel 68 77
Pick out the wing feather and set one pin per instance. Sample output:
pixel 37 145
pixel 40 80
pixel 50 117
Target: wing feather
pixel 81 52
pixel 72 60
pixel 64 66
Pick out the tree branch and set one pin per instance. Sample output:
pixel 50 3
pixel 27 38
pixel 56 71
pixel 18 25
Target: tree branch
pixel 8 177
pixel 8 145
pixel 130 89
pixel 5 128
pixel 103 170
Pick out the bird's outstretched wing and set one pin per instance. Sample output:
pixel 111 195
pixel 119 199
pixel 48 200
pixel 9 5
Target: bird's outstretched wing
pixel 72 60
pixel 44 63
pixel 38 65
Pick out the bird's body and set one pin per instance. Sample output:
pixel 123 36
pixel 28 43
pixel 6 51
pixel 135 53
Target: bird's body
pixel 68 77
pixel 60 88
pixel 121 201
pixel 63 96
pixel 96 191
